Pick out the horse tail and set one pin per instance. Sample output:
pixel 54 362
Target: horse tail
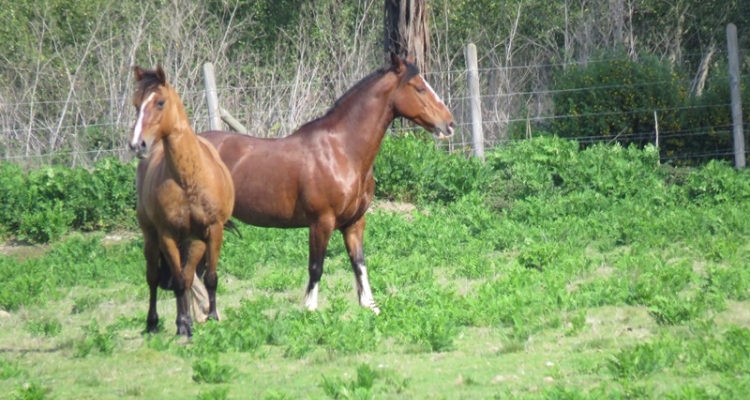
pixel 232 227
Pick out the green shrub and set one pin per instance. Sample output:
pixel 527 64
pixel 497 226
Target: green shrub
pixel 218 393
pixel 79 260
pixel 644 359
pixel 45 203
pixel 359 388
pixel 209 370
pixel 102 341
pixel 46 327
pixel 10 369
pixel 412 169
pixel 615 98
pixel 716 182
pixel 31 391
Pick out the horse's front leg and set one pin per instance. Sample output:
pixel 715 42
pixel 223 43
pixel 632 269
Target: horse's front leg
pixel 211 280
pixel 320 234
pixel 180 285
pixel 354 241
pixel 152 255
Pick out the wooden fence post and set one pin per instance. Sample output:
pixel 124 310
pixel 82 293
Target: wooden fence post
pixel 734 87
pixel 212 100
pixel 475 104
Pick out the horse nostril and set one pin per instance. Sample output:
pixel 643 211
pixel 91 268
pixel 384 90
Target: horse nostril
pixel 140 147
pixel 451 127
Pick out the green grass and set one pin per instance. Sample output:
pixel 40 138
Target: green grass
pixel 590 323
pixel 578 286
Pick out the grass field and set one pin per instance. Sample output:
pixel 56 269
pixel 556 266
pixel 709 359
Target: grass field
pixel 575 275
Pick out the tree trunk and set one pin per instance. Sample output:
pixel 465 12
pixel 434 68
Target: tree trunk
pixel 407 31
pixel 696 88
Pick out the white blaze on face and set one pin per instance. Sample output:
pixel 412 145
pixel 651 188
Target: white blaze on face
pixel 138 129
pixel 427 84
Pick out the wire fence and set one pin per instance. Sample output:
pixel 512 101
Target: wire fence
pixel 83 130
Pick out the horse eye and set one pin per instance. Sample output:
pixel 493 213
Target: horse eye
pixel 420 89
pixel 160 104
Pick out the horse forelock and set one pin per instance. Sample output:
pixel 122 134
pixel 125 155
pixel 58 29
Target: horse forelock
pixel 411 71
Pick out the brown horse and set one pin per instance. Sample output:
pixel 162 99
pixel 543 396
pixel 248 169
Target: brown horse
pixel 185 196
pixel 320 176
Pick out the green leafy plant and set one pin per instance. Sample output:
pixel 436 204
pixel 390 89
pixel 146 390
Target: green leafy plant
pixel 96 340
pixel 210 370
pixel 10 369
pixel 218 393
pixel 46 327
pixel 31 391
pixel 644 359
pixel 359 388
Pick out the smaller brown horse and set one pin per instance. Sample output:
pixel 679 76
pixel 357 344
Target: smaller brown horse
pixel 185 196
pixel 320 176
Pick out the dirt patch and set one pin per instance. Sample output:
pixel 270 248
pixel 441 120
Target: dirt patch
pixel 119 237
pixel 393 206
pixel 22 250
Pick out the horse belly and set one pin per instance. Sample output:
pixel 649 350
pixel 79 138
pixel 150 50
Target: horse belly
pixel 265 215
pixel 267 197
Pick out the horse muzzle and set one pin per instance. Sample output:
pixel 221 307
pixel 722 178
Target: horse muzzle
pixel 141 149
pixel 444 131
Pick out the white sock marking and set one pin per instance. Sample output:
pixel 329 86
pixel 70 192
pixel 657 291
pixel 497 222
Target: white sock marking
pixel 311 298
pixel 366 299
pixel 139 123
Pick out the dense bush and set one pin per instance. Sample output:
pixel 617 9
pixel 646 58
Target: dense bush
pixel 42 204
pixel 615 99
pixel 620 100
pixel 412 169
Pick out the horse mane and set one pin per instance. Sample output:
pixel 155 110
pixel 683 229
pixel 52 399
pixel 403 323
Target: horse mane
pixel 411 71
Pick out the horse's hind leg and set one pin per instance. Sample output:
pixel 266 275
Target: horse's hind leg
pixel 320 234
pixel 152 254
pixel 210 279
pixel 353 239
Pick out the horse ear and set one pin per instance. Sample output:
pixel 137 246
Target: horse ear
pixel 396 63
pixel 137 73
pixel 160 75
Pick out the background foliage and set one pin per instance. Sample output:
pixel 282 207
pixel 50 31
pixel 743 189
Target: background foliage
pixel 65 78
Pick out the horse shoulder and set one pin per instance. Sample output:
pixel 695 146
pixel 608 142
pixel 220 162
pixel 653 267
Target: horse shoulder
pixel 220 194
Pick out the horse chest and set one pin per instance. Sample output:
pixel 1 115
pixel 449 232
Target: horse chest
pixel 183 211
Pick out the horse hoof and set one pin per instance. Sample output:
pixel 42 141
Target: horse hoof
pixel 184 331
pixel 184 327
pixel 152 326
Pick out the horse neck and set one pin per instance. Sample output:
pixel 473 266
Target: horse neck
pixel 364 118
pixel 181 151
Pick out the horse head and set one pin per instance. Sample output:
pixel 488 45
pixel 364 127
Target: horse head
pixel 415 100
pixel 158 107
